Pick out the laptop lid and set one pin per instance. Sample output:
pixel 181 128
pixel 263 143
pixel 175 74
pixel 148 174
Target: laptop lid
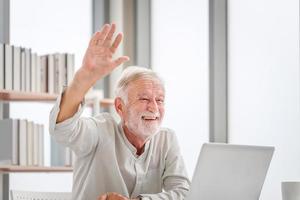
pixel 230 172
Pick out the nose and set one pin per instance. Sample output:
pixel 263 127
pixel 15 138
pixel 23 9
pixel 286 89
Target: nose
pixel 152 106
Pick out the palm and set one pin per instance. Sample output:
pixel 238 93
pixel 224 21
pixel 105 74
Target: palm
pixel 98 58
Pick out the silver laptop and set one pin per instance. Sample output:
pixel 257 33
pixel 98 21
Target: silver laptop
pixel 230 172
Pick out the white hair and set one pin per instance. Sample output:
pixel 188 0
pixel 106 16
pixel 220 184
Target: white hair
pixel 131 74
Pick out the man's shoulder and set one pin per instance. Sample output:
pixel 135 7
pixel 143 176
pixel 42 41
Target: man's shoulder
pixel 165 134
pixel 165 139
pixel 166 131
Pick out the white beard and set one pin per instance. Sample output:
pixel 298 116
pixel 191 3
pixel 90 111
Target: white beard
pixel 141 127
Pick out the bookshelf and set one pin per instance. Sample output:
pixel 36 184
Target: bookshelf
pixel 20 96
pixel 10 95
pixel 7 96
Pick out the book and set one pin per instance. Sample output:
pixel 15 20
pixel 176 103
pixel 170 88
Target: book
pixel 56 73
pixel 1 66
pixel 33 70
pixel 44 73
pixel 9 142
pixel 27 70
pixel 16 68
pixel 23 142
pixel 38 74
pixel 8 67
pixel 41 145
pixel 51 74
pixel 23 71
pixel 60 71
pixel 30 143
pixel 70 64
pixel 35 146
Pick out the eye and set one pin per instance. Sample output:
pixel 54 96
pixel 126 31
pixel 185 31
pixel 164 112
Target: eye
pixel 144 99
pixel 160 101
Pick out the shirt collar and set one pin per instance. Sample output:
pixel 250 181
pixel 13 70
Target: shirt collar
pixel 130 146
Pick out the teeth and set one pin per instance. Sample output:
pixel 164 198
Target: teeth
pixel 149 118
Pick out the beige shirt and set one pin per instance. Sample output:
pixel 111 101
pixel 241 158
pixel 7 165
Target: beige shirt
pixel 107 161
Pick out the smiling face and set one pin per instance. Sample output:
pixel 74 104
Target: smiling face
pixel 143 111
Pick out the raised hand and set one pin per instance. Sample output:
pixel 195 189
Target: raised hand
pixel 98 60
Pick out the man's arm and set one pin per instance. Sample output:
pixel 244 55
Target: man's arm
pixel 97 63
pixel 65 124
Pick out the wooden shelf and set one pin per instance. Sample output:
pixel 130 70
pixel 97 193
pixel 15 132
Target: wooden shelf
pixel 12 168
pixel 9 95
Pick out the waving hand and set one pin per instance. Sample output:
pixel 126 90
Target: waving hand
pixel 98 59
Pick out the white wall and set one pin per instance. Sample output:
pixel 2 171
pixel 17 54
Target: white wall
pixel 47 27
pixel 180 55
pixel 264 83
pixel 51 26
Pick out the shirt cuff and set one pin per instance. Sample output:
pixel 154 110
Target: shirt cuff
pixel 66 123
pixel 143 197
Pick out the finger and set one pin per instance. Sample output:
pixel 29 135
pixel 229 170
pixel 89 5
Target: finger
pixel 121 60
pixel 101 35
pixel 109 36
pixel 93 40
pixel 116 43
pixel 121 197
pixel 102 197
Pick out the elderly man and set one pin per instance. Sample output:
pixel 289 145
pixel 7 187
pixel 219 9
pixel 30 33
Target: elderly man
pixel 133 159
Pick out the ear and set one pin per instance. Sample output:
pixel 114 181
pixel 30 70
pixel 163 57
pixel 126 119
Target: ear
pixel 119 106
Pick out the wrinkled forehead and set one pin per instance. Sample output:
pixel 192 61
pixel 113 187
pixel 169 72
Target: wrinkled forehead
pixel 146 86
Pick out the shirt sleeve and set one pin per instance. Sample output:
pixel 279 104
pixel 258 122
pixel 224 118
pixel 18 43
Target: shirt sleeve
pixel 175 179
pixel 80 134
